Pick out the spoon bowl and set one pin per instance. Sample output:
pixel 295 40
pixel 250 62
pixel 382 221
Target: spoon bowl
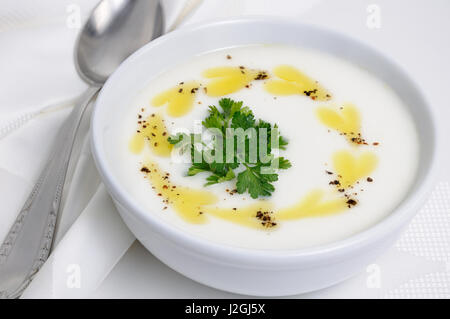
pixel 115 29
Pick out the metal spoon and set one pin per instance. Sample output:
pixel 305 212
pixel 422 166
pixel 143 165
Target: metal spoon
pixel 115 29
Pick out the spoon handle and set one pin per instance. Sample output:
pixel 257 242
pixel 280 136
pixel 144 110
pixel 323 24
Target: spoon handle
pixel 29 241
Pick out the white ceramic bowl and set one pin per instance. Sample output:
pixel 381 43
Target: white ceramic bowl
pixel 246 271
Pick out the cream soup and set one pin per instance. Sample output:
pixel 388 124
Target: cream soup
pixel 353 147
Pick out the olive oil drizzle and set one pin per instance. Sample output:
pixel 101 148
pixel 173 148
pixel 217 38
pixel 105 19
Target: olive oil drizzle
pixel 152 132
pixel 292 81
pixel 179 99
pixel 226 80
pixel 193 205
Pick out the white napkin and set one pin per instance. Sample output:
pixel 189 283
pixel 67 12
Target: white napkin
pixel 87 253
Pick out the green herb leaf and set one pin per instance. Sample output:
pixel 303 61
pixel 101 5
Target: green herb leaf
pixel 282 143
pixel 198 168
pixel 256 178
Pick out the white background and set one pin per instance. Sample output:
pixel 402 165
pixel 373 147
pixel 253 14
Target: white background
pixel 36 69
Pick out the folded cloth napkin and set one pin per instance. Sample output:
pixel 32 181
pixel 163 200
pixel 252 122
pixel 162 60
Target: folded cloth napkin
pixel 91 238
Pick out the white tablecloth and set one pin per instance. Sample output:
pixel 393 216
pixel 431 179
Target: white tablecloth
pixel 37 71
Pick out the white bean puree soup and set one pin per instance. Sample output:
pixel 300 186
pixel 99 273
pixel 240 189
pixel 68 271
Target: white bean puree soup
pixel 267 147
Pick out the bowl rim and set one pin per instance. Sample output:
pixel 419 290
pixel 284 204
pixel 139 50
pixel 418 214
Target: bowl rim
pixel 224 253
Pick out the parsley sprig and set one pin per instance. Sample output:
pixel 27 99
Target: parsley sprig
pixel 254 175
